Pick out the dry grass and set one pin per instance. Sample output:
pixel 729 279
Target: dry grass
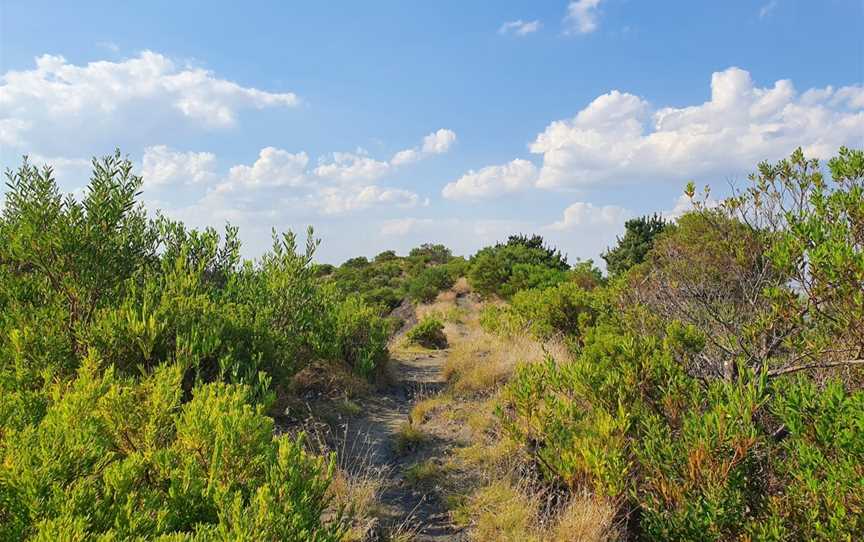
pixel 408 438
pixel 501 512
pixel 504 511
pixel 424 474
pixel 461 287
pixel 358 484
pixel 480 362
pixel 359 494
pixel 585 519
pixel 423 409
pixel 328 379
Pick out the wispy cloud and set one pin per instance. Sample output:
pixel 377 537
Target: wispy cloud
pixel 109 46
pixel 520 27
pixel 767 9
pixel 581 16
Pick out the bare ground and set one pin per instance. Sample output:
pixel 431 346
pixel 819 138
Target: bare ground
pixel 410 512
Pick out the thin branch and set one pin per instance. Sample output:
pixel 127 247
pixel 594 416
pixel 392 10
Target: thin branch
pixel 821 365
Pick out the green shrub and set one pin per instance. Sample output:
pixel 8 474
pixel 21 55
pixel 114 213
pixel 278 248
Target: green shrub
pixel 491 268
pixel 121 459
pixel 362 336
pixel 630 250
pixel 565 310
pixel 429 333
pixel 426 285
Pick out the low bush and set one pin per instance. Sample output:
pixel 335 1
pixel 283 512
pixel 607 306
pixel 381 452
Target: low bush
pixel 118 459
pixel 524 260
pixel 694 459
pixel 428 333
pixel 565 310
pixel 426 285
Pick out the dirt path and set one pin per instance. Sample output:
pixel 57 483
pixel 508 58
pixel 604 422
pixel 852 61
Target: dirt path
pixel 410 512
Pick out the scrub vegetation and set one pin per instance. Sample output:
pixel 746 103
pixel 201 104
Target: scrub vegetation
pixel 707 386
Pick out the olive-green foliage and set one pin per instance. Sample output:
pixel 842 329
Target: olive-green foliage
pixel 361 336
pixel 426 285
pixel 639 235
pixel 526 261
pixel 125 459
pixel 431 253
pixel 624 419
pixel 136 359
pixel 716 393
pixel 564 309
pixel 389 279
pixel 429 333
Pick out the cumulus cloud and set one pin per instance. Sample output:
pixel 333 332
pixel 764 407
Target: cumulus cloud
pixel 69 172
pixel 277 184
pixel 620 137
pixel 163 166
pixel 273 168
pixel 437 142
pixel 492 181
pixel 520 27
pixel 581 16
pixel 351 167
pixel 586 214
pixel 338 200
pixel 57 102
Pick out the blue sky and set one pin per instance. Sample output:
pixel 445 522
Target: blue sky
pixel 388 124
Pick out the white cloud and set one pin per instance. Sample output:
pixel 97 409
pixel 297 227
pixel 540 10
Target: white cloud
pixel 276 185
pixel 273 168
pixel 404 226
pixel 619 137
pixel 493 181
pixel 108 45
pixel 350 167
pixel 520 27
pixel 581 16
pixel 767 9
pixel 684 204
pixel 70 172
pixel 58 103
pixel 339 200
pixel 586 214
pixel 437 142
pixel 163 166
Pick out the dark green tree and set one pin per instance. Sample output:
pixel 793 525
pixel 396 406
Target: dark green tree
pixel 638 239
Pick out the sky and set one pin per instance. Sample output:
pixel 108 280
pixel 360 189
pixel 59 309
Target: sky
pixel 387 124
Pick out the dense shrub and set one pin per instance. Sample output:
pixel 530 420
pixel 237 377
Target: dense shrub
pixel 426 285
pixel 121 459
pixel 625 420
pixel 389 279
pixel 709 402
pixel 533 264
pixel 630 250
pixel 429 333
pixel 136 360
pixel 564 310
pixel 362 336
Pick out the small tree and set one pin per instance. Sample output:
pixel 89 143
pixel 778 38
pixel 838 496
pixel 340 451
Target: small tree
pixel 638 239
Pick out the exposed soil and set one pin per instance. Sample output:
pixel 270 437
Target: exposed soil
pixel 408 509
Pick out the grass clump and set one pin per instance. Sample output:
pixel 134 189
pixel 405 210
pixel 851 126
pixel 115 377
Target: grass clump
pixel 424 473
pixel 428 333
pixel 423 409
pixel 408 438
